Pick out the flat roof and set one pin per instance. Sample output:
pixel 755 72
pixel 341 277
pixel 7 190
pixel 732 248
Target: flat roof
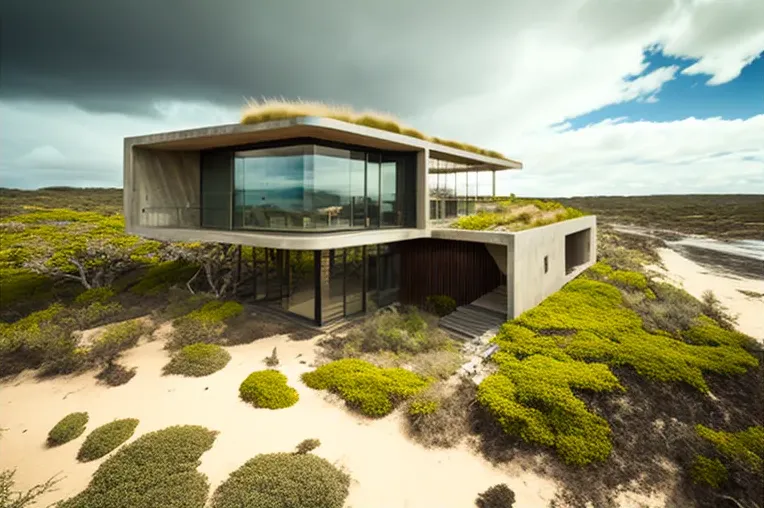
pixel 327 129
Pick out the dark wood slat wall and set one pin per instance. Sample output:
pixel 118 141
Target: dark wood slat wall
pixel 464 271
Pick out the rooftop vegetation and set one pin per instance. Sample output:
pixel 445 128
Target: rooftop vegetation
pixel 516 214
pixel 269 110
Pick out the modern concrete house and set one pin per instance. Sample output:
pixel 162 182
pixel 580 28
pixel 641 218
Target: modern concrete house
pixel 343 219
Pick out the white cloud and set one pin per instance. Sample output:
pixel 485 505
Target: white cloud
pixel 679 157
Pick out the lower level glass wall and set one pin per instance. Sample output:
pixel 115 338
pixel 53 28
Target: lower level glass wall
pixel 325 285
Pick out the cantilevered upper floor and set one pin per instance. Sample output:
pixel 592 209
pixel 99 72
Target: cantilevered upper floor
pixel 300 183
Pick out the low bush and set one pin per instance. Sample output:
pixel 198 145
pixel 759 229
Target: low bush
pixel 372 390
pixel 268 389
pixel 440 416
pixel 713 308
pixel 745 447
pixel 247 329
pixel 94 314
pixel 157 470
pixel 272 360
pixel 115 374
pixel 205 324
pixel 440 305
pixel 161 276
pixel 93 295
pixel 284 480
pixel 180 303
pixel 198 360
pixel 407 331
pixel 106 438
pixel 308 445
pixel 118 337
pixel 498 496
pixel 707 471
pixel 70 427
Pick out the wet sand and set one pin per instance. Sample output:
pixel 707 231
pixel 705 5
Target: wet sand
pixel 387 468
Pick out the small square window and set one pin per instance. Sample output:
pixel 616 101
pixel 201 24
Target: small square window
pixel 546 264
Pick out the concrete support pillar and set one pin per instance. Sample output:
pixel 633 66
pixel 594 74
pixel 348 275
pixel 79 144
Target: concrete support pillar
pixel 423 189
pixel 493 183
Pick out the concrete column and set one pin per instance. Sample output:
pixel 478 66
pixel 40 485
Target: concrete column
pixel 493 183
pixel 423 190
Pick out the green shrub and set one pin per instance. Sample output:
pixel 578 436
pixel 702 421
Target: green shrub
pixel 629 279
pixel 373 390
pixel 70 427
pixel 161 276
pixel 608 331
pixel 284 480
pixel 423 407
pixel 707 471
pixel 92 315
pixel 542 357
pixel 745 447
pixel 93 295
pixel 498 496
pixel 114 374
pixel 106 438
pixel 268 389
pixel 714 309
pixel 272 360
pixel 399 332
pixel 181 302
pixel 23 288
pixel 441 305
pixel 307 445
pixel 440 415
pixel 206 324
pixel 157 470
pixel 533 399
pixel 116 338
pixel 198 360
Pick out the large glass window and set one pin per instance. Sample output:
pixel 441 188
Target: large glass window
pixel 310 188
pixel 216 190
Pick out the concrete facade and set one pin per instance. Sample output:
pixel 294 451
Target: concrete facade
pixel 162 200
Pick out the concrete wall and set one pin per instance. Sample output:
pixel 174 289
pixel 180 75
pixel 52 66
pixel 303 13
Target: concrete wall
pixel 161 188
pixel 531 284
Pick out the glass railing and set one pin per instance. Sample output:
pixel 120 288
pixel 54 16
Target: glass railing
pixel 445 210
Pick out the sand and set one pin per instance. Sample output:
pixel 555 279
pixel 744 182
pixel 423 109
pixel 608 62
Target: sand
pixel 388 469
pixel 696 279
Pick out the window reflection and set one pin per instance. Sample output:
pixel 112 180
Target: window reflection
pixel 309 187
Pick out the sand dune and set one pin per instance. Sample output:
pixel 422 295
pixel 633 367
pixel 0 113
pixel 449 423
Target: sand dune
pixel 388 469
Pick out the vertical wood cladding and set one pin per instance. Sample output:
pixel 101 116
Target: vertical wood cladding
pixel 464 271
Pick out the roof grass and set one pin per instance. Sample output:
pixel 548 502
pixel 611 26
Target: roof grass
pixel 276 109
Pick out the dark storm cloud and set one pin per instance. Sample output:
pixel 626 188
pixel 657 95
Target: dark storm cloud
pixel 402 56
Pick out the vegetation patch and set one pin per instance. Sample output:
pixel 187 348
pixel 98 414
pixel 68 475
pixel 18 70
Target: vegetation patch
pixel 198 360
pixel 498 496
pixel 117 338
pixel 157 470
pixel 93 295
pixel 745 447
pixel 70 427
pixel 440 305
pixel 374 391
pixel 404 332
pixel 115 374
pixel 268 389
pixel 439 416
pixel 516 214
pixel 106 438
pixel 12 498
pixel 206 324
pixel 270 110
pixel 538 365
pixel 162 276
pixel 284 480
pixel 307 445
pixel 709 472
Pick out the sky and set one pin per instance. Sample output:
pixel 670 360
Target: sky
pixel 595 97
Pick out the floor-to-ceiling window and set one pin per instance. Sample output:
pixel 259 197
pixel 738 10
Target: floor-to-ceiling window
pixel 308 188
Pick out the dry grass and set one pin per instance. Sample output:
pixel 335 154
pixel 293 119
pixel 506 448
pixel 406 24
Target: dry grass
pixel 277 109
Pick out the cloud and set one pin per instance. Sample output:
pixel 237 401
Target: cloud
pixel 679 157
